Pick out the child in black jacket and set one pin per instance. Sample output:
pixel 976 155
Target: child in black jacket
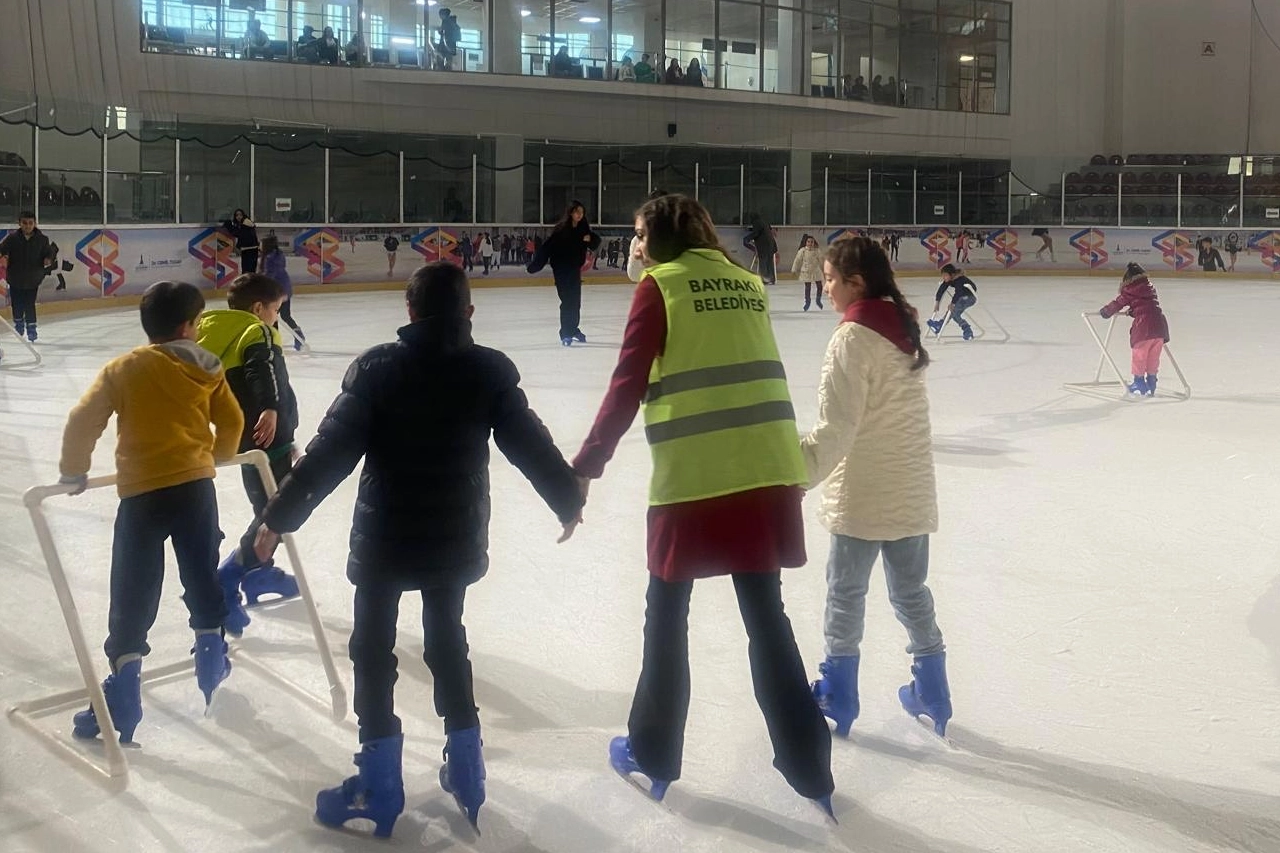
pixel 420 411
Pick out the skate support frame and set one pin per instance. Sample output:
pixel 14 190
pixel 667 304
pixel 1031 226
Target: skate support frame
pixel 116 771
pixel 6 326
pixel 979 331
pixel 1107 389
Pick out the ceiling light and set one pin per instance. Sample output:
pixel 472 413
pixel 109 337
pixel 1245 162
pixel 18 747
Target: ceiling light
pixel 966 57
pixel 402 40
pixel 524 13
pixel 590 19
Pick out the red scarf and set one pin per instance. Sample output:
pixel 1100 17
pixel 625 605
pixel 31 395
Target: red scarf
pixel 881 317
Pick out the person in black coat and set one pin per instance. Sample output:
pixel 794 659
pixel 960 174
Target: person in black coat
pixel 245 233
pixel 566 251
pixel 420 412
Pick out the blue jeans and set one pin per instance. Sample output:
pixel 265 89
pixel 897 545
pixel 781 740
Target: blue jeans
pixel 906 567
pixel 187 514
pixel 962 303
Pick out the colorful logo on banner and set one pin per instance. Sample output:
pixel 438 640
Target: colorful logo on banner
pixel 436 244
pixel 840 235
pixel 1175 246
pixel 1092 247
pixel 320 247
pixel 1267 243
pixel 1005 244
pixel 4 267
pixel 936 241
pixel 213 248
pixel 99 251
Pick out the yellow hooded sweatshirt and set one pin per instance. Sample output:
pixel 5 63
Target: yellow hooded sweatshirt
pixel 164 396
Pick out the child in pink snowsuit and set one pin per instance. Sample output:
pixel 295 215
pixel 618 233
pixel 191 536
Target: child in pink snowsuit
pixel 1150 330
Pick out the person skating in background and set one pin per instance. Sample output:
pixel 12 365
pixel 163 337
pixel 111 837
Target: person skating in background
pixel 895 241
pixel 486 252
pixel 808 268
pixel 962 247
pixel 466 252
pixel 245 235
pixel 1150 330
pixel 760 238
pixel 164 396
pixel 565 249
pixel 1232 245
pixel 392 246
pixel 966 296
pixel 1208 257
pixel 1046 244
pixel 275 266
pixel 30 256
pixel 873 440
pixel 244 338
pixel 724 497
pixel 421 523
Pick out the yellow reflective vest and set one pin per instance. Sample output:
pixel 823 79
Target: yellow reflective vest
pixel 717 413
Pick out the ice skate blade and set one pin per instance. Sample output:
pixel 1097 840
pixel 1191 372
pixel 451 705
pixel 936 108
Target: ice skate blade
pixel 823 804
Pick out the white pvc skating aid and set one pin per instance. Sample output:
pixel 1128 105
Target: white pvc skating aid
pixel 25 714
pixel 1117 389
pixel 949 333
pixel 6 329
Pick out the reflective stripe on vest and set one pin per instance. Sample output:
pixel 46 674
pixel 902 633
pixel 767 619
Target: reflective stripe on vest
pixel 718 414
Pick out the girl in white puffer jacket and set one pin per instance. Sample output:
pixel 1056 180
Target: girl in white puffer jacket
pixel 874 441
pixel 808 267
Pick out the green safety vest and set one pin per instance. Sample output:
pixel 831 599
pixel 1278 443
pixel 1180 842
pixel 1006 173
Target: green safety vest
pixel 718 413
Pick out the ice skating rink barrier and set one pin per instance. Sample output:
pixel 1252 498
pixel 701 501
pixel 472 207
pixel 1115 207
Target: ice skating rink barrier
pixel 116 769
pixel 6 329
pixel 1107 389
pixel 949 333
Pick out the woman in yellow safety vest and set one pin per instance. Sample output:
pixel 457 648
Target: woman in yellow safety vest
pixel 725 496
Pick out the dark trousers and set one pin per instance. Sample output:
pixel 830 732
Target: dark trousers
pixel 248 260
pixel 767 270
pixel 487 260
pixel 286 314
pixel 801 739
pixel 569 287
pixel 257 492
pixel 372 649
pixel 187 514
pixel 23 303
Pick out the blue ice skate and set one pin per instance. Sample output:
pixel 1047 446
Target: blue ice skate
pixel 1139 386
pixel 212 664
pixel 123 691
pixel 566 342
pixel 935 326
pixel 579 337
pixel 966 331
pixel 463 772
pixel 928 694
pixel 1150 389
pixel 624 762
pixel 837 691
pixel 376 793
pixel 268 580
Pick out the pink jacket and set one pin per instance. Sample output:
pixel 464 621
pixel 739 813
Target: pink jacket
pixel 1139 296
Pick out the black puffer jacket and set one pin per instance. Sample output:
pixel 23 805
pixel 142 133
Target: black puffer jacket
pixel 420 412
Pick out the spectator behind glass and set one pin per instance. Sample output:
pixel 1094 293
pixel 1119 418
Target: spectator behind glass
pixel 674 75
pixel 645 72
pixel 308 48
pixel 858 91
pixel 693 75
pixel 450 33
pixel 626 71
pixel 327 48
pixel 562 63
pixel 877 89
pixel 354 50
pixel 256 43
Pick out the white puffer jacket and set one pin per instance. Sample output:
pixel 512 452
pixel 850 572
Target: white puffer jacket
pixel 873 440
pixel 808 264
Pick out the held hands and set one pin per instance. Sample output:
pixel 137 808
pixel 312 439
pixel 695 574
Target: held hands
pixel 265 543
pixel 80 482
pixel 584 486
pixel 265 431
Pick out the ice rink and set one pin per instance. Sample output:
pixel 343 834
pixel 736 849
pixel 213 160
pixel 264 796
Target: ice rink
pixel 1107 576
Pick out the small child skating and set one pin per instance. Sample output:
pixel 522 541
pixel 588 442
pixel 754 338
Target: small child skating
pixel 244 338
pixel 420 412
pixel 392 247
pixel 873 440
pixel 966 296
pixel 1149 332
pixel 808 268
pixel 164 396
pixel 275 266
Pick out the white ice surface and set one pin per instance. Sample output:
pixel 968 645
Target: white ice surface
pixel 1107 577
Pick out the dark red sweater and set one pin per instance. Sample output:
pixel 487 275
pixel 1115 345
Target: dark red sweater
pixel 757 531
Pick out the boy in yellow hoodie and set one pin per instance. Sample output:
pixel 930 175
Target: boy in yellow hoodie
pixel 164 396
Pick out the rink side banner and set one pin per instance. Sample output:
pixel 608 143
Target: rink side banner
pixel 109 262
